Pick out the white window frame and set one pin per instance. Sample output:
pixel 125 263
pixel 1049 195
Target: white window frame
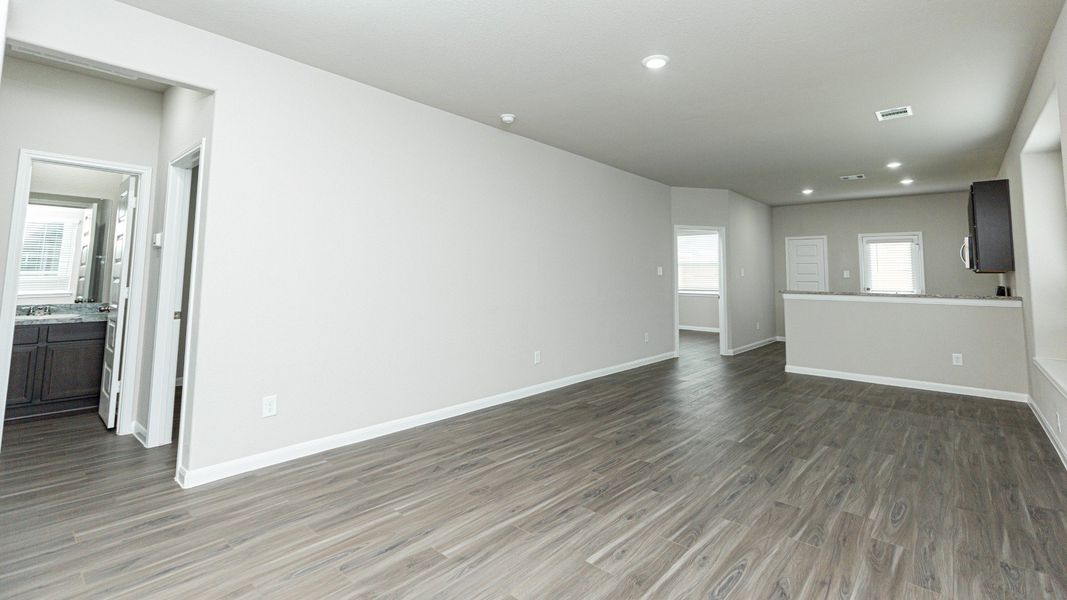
pixel 917 259
pixel 680 233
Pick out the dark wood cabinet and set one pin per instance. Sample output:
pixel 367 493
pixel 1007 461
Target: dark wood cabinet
pixel 55 369
pixel 20 383
pixel 989 211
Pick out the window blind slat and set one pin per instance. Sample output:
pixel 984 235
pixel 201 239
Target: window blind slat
pixel 48 249
pixel 698 263
pixel 891 266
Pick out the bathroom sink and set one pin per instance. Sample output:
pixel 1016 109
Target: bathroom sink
pixel 43 317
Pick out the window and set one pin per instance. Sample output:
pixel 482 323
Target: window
pixel 698 262
pixel 48 248
pixel 892 263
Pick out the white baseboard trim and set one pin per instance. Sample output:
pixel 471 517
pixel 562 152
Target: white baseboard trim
pixel 931 386
pixel 140 433
pixel 695 328
pixel 752 346
pixel 1060 450
pixel 780 338
pixel 188 478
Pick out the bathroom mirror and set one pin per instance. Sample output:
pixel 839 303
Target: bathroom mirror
pixel 69 241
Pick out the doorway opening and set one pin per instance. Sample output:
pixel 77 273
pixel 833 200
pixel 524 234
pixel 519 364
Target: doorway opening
pixel 700 287
pixel 94 274
pixel 166 408
pixel 73 292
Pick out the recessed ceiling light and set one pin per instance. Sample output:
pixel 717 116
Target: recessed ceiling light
pixel 894 165
pixel 807 192
pixel 656 61
pixel 507 118
pixel 907 181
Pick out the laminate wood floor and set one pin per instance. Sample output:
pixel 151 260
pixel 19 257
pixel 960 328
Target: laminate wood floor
pixel 701 477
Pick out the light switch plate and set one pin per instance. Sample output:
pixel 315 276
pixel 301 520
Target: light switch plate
pixel 847 274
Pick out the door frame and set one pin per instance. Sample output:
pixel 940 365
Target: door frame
pixel 825 256
pixel 176 224
pixel 724 322
pixel 124 423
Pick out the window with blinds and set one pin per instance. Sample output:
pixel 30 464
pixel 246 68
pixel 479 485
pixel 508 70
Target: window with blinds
pixel 892 263
pixel 698 263
pixel 49 244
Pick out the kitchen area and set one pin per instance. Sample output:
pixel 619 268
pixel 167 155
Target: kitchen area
pixel 888 295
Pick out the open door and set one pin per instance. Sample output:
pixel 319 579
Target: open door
pixel 111 381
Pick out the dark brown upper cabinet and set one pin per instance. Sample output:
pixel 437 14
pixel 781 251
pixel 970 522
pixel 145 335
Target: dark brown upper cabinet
pixel 989 211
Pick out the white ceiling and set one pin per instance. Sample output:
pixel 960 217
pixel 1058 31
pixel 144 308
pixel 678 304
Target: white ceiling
pixel 762 97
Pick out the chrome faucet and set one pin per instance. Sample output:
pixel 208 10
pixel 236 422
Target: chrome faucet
pixel 40 310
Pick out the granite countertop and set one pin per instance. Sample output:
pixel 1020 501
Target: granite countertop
pixel 82 312
pixel 948 296
pixel 59 318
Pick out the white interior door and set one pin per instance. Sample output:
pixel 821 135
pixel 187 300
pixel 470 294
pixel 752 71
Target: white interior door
pixel 806 264
pixel 85 258
pixel 119 288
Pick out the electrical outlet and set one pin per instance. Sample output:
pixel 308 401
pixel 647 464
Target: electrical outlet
pixel 659 270
pixel 957 360
pixel 757 324
pixel 742 271
pixel 646 337
pixel 847 274
pixel 270 406
pixel 537 357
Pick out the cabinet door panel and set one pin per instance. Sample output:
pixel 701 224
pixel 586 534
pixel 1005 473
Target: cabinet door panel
pixel 21 379
pixel 71 370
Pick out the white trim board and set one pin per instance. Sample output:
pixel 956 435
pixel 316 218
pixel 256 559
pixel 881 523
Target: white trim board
pixel 904 299
pixel 752 346
pixel 188 478
pixel 1060 450
pixel 780 338
pixel 702 329
pixel 1055 370
pixel 931 386
pixel 140 434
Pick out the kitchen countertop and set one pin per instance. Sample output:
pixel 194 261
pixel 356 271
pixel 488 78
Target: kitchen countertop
pixel 60 318
pixel 940 296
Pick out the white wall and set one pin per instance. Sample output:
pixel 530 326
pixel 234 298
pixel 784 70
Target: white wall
pixel 74 181
pixel 55 110
pixel 186 120
pixel 699 311
pixel 750 299
pixel 864 339
pixel 1046 222
pixel 453 249
pixel 942 219
pixel 1051 78
pixel 751 272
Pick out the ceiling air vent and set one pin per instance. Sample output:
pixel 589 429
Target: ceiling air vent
pixel 855 177
pixel 893 113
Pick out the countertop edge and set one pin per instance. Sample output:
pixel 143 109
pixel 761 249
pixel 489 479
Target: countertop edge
pixel 987 301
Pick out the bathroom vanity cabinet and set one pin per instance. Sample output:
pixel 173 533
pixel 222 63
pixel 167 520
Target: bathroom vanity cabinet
pixel 55 368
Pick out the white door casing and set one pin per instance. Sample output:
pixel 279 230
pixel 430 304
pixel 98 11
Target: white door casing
pixel 806 265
